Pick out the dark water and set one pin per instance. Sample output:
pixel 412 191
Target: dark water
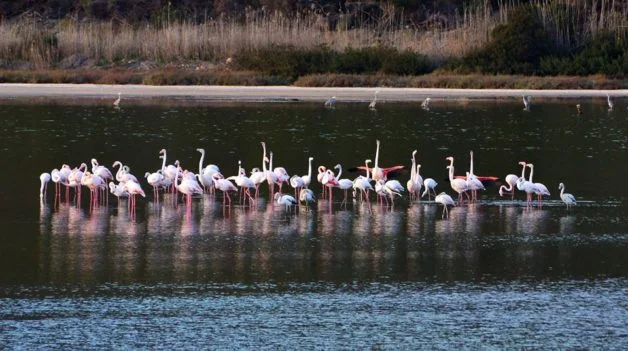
pixel 494 275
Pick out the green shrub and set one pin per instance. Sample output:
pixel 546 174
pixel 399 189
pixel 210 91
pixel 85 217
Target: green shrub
pixel 405 63
pixel 515 48
pixel 604 54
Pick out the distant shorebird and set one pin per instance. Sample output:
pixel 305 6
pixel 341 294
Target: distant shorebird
pixel 526 103
pixel 610 102
pixel 117 102
pixel 426 103
pixel 372 104
pixel 331 102
pixel 579 108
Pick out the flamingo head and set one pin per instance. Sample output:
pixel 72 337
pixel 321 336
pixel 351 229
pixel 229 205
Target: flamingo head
pixel 162 151
pixel 266 159
pixel 321 169
pixel 522 163
pixel 501 191
pixel 561 186
pixel 310 159
pixel 337 166
pixel 448 167
pixel 255 170
pixel 127 169
pixel 418 166
pixel 201 150
pixel 530 165
pixel 263 144
pixel 117 163
pixel 146 174
pixel 449 158
pixel 377 142
pixel 94 162
pixel 413 153
pixel 82 166
pixel 177 163
pixel 367 162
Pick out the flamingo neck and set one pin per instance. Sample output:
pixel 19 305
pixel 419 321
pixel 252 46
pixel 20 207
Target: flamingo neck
pixel 367 171
pixel 163 163
pixel 200 162
pixel 471 165
pixel 339 171
pixel 43 184
pixel 451 172
pixel 309 168
pixel 413 169
pixel 377 155
pixel 523 172
pixel 531 172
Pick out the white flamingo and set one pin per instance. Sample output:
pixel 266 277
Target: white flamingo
pixel 363 184
pixel 343 184
pixel 430 188
pixel 511 180
pixel 446 201
pixel 567 198
pixel 44 178
pixel 541 189
pixel 458 185
pixel 285 200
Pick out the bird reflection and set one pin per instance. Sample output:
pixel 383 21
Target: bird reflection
pixel 165 242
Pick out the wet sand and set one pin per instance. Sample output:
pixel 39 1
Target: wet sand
pixel 282 93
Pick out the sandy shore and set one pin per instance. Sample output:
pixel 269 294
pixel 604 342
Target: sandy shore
pixel 281 93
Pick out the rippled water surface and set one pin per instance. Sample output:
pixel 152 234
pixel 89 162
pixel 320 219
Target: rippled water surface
pixel 494 275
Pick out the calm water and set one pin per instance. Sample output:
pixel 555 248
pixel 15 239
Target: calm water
pixel 494 275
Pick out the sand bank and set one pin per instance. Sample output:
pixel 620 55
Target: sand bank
pixel 282 93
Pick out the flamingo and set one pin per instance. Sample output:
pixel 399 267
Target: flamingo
pixel 187 186
pixel 206 175
pixel 329 182
pixel 118 190
pixel 170 171
pixel 567 198
pixel 307 196
pixel 322 170
pixel 457 184
pixel 344 184
pixel 511 180
pixel 101 171
pixel 393 187
pixel 426 104
pixel 245 183
pixel 414 184
pixel 285 200
pixel 225 186
pixel 526 103
pixel 610 102
pixel 331 102
pixel 297 183
pixel 445 200
pixel 94 183
pixel 362 183
pixel 133 188
pixel 117 102
pixel 541 189
pixel 258 177
pixel 528 187
pixel 473 183
pixel 58 178
pixel 282 174
pixel 74 180
pixel 155 180
pixel 382 173
pixel 430 186
pixel 372 104
pixel 44 178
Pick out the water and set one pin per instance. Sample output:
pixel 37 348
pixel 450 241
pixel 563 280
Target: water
pixel 494 275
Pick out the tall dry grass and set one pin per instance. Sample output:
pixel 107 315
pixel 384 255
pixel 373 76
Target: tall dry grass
pixel 571 22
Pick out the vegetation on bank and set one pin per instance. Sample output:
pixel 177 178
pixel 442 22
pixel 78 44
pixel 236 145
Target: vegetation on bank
pixel 517 38
pixel 175 76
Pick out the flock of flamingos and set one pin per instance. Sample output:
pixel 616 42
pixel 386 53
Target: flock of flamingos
pixel 173 178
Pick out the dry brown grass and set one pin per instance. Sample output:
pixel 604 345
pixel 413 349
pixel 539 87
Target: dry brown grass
pixel 153 77
pixel 571 21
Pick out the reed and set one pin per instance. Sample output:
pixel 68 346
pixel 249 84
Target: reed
pixel 570 22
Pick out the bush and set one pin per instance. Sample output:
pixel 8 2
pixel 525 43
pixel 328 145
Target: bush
pixel 604 54
pixel 515 48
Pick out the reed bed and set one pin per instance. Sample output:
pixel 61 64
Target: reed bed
pixel 39 45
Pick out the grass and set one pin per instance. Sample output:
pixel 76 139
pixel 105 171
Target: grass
pixel 570 22
pixel 175 76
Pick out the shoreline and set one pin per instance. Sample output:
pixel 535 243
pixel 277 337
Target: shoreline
pixel 283 93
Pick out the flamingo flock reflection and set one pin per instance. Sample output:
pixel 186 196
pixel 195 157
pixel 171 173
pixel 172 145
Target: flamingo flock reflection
pixel 174 179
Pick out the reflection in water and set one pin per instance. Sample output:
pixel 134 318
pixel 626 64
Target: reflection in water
pixel 165 243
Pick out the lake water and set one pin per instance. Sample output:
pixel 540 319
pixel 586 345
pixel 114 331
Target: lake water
pixel 494 275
